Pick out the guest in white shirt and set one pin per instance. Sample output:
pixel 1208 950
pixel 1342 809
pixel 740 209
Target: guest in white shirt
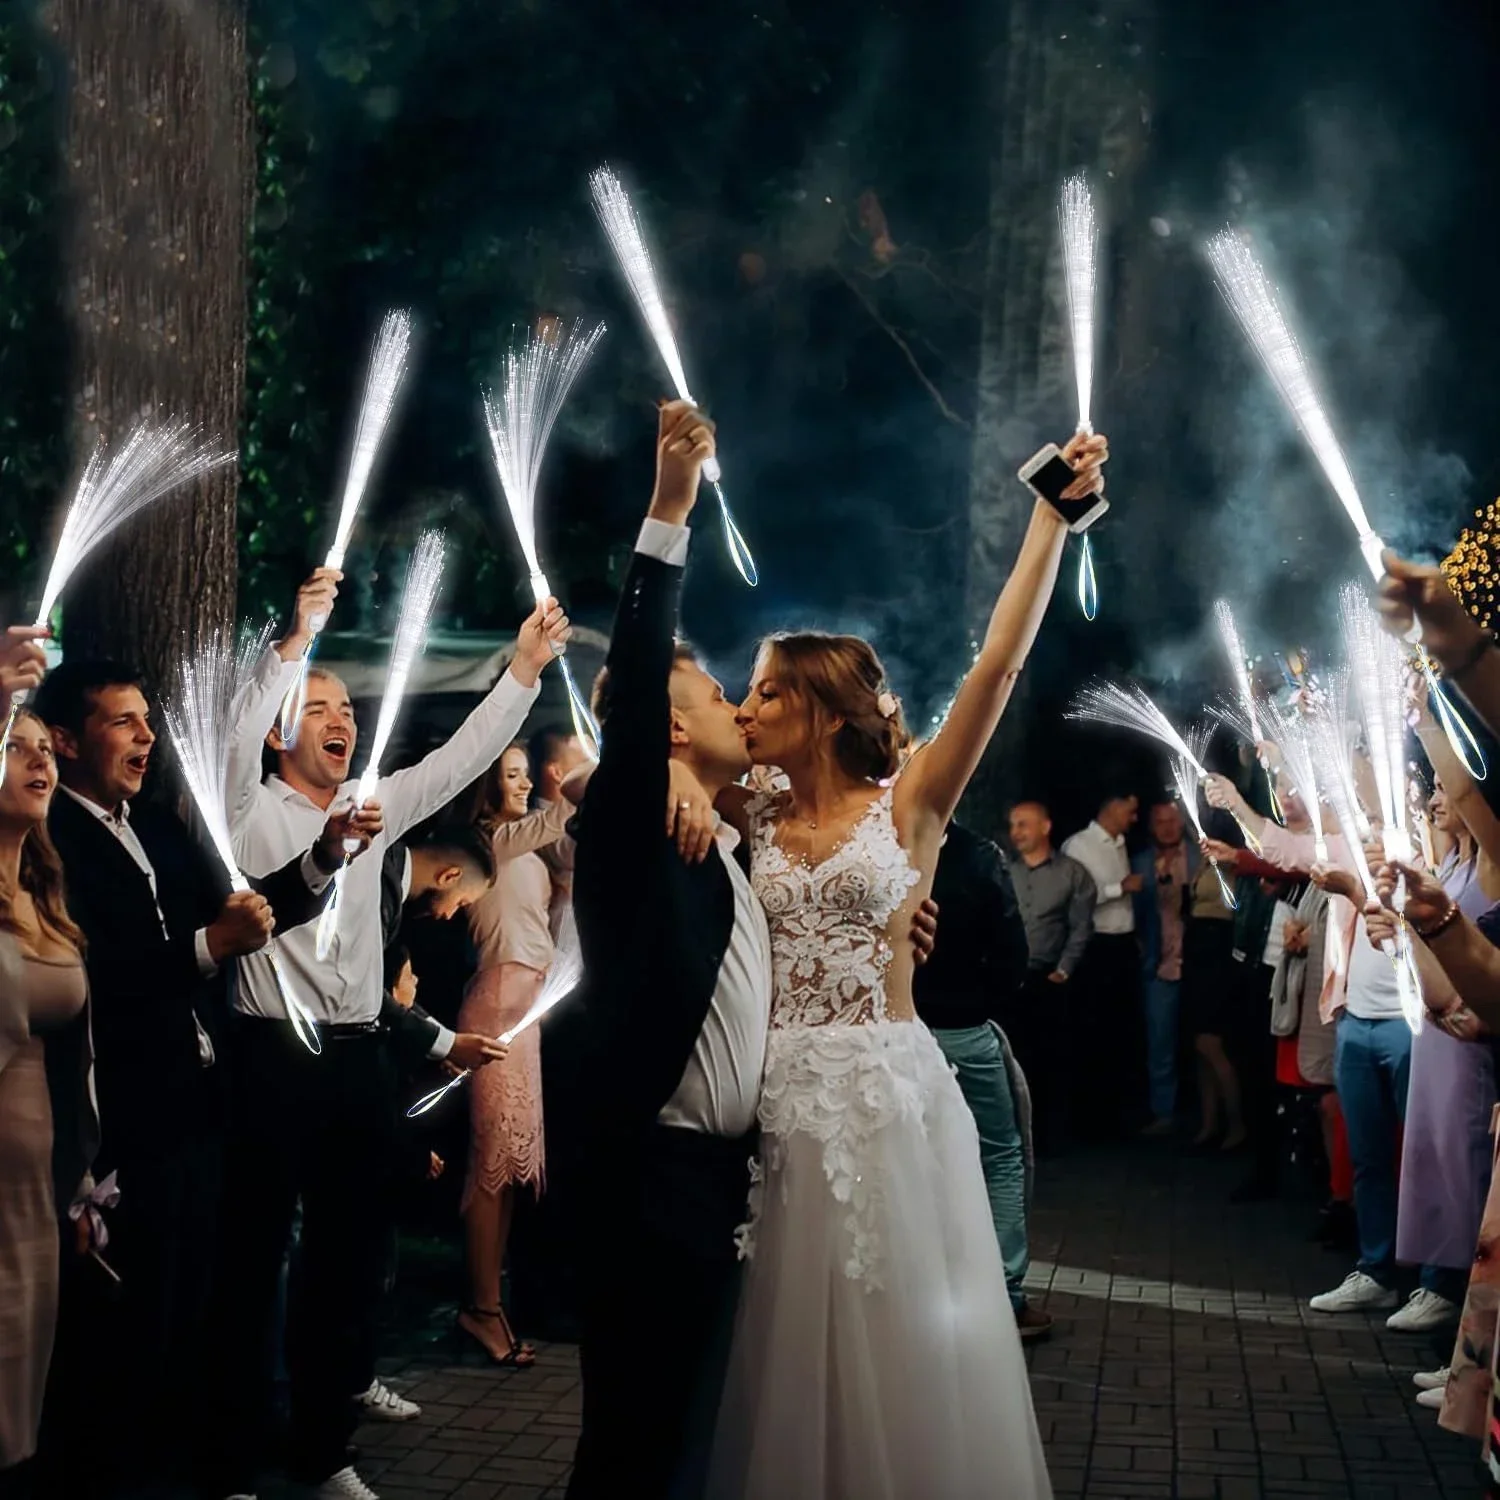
pixel 162 931
pixel 1107 991
pixel 318 1127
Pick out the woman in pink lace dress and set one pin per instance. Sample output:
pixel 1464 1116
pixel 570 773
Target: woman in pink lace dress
pixel 875 1351
pixel 511 930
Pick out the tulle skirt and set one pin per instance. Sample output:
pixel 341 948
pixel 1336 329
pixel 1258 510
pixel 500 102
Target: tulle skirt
pixel 506 1143
pixel 875 1354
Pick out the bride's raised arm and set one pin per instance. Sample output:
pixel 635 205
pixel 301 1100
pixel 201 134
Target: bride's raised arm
pixel 937 774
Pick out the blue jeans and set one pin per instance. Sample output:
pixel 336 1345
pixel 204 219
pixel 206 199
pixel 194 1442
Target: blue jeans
pixel 979 1063
pixel 1371 1067
pixel 1161 1046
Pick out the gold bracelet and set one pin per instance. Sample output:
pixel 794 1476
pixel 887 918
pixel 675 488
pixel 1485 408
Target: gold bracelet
pixel 1442 924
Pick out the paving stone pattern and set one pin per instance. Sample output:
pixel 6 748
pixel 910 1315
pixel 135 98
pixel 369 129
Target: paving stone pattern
pixel 1184 1364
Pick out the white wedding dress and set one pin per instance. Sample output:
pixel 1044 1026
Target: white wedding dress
pixel 875 1351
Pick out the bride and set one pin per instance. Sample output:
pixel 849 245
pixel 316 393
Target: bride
pixel 875 1354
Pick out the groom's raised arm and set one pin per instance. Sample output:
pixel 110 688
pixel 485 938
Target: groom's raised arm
pixel 628 790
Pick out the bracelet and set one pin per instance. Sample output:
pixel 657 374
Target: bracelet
pixel 1472 657
pixel 1442 924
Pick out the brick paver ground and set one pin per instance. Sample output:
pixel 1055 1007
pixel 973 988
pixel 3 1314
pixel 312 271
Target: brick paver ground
pixel 1184 1363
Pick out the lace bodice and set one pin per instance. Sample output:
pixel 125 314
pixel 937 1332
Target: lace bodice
pixel 828 921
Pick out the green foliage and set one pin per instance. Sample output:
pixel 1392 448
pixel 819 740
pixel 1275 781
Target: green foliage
pixel 33 403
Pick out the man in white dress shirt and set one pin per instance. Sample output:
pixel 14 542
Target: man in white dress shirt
pixel 317 1127
pixel 1110 1069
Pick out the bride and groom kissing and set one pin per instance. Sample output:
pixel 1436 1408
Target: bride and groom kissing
pixel 749 1034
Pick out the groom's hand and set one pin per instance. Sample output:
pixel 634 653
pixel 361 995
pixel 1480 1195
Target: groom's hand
pixel 684 443
pixel 924 930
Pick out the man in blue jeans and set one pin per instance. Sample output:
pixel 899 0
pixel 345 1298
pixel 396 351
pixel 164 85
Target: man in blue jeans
pixel 977 965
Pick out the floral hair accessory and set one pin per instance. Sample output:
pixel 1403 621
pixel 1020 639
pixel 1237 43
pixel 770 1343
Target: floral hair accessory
pixel 887 704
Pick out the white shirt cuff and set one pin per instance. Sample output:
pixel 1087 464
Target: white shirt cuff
pixel 663 541
pixel 206 966
pixel 442 1044
pixel 317 882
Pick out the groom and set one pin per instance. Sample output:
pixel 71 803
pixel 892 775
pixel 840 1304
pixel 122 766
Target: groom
pixel 676 1011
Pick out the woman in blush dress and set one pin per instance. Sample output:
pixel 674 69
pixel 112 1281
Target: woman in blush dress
pixel 875 1353
pixel 43 1158
pixel 511 929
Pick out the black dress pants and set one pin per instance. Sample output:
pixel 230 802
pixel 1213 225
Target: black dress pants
pixel 319 1129
pixel 660 1285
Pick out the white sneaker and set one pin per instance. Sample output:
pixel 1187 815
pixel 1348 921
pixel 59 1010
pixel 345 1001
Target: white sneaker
pixel 1354 1293
pixel 1423 1310
pixel 1433 1400
pixel 1430 1380
pixel 382 1404
pixel 345 1485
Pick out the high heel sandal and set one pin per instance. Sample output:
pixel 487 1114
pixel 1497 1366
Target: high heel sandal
pixel 518 1357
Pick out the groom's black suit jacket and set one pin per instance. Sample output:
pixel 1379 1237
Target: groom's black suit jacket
pixel 146 988
pixel 653 927
pixel 658 1204
pixel 653 930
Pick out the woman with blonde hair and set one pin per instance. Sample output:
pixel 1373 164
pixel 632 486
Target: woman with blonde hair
pixel 511 929
pixel 876 1351
pixel 44 1153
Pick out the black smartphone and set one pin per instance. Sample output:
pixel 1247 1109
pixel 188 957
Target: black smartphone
pixel 1048 474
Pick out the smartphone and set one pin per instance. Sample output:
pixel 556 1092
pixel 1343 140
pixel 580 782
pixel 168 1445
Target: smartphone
pixel 1048 474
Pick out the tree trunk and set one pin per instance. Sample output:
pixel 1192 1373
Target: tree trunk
pixel 159 164
pixel 1062 99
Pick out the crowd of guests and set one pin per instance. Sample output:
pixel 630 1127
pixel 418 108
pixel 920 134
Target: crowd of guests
pixel 155 1105
pixel 169 1145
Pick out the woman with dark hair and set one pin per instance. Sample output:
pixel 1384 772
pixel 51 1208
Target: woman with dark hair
pixel 511 929
pixel 875 1351
pixel 43 1157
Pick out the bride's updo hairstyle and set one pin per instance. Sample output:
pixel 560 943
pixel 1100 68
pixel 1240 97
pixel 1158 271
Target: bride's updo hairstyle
pixel 840 677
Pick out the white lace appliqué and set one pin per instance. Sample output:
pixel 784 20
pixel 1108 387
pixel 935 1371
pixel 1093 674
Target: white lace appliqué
pixel 836 1069
pixel 829 954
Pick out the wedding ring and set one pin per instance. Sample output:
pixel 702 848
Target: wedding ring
pixel 683 805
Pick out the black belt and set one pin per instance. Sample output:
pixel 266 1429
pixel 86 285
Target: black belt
pixel 346 1031
pixel 333 1031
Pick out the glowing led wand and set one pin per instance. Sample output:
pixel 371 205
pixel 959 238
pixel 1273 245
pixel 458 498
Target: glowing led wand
pixel 538 375
pixel 382 386
pixel 1080 246
pixel 152 461
pixel 1256 305
pixel 617 215
pixel 417 600
pixel 200 720
pixel 562 979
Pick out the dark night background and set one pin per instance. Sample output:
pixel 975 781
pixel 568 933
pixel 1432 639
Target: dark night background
pixel 433 153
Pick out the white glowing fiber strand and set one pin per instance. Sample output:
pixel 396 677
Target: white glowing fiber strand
pixel 1377 666
pixel 383 382
pixel 562 979
pixel 200 721
pixel 1378 672
pixel 418 599
pixel 1185 778
pixel 1254 301
pixel 152 461
pixel 617 215
pixel 538 375
pixel 1234 648
pixel 1291 735
pixel 1130 708
pixel 1080 247
pixel 1328 736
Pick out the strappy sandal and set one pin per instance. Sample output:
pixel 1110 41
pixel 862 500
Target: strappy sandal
pixel 518 1357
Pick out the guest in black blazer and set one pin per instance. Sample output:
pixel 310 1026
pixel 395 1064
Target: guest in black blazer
pixel 160 926
pixel 674 1035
